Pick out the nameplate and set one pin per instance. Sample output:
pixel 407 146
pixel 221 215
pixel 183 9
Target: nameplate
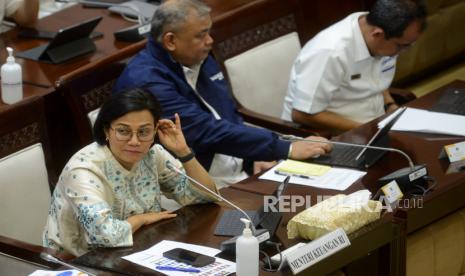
pixel 317 250
pixel 392 191
pixel 455 152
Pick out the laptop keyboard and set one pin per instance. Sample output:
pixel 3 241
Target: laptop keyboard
pixel 452 101
pixel 271 221
pixel 341 155
pixel 230 223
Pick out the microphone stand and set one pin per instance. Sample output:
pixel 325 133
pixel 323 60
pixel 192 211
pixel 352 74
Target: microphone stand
pixel 173 168
pixel 49 258
pixel 228 245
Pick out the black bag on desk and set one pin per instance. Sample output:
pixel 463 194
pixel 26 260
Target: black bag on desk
pixel 68 43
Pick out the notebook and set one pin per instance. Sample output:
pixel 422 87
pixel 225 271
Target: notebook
pixel 230 224
pixel 451 101
pixel 68 43
pixel 356 157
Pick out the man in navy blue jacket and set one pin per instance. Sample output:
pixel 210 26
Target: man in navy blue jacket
pixel 177 68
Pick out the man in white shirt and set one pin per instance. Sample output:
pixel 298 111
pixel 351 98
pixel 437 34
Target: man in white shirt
pixel 23 12
pixel 341 77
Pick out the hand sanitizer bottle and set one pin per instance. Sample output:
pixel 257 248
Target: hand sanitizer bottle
pixel 12 80
pixel 247 252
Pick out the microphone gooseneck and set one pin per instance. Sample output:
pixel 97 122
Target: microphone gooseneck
pixel 49 258
pixel 170 166
pixel 295 138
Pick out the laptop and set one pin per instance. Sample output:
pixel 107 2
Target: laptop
pixel 356 157
pixel 231 225
pixel 135 9
pixel 451 101
pixel 94 3
pixel 68 43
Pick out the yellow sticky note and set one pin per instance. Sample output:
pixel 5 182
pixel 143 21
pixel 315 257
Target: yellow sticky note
pixel 302 168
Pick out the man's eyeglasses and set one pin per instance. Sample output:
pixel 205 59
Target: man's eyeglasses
pixel 403 46
pixel 145 134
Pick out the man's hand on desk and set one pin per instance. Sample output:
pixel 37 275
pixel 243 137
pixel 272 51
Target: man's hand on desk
pixel 302 150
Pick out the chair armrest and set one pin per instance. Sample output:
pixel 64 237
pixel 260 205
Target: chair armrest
pixel 278 125
pixel 401 96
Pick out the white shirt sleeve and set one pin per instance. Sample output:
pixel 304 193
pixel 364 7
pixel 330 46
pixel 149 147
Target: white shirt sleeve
pixel 11 6
pixel 318 75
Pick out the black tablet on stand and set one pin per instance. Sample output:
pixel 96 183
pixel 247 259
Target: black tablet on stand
pixel 68 43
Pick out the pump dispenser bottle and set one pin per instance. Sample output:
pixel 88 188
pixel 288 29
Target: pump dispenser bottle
pixel 247 252
pixel 12 80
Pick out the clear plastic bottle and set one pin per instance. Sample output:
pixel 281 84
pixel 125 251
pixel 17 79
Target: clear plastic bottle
pixel 12 79
pixel 247 252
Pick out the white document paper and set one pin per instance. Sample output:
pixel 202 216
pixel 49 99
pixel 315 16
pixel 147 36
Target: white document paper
pixel 420 120
pixel 386 120
pixel 336 178
pixel 153 257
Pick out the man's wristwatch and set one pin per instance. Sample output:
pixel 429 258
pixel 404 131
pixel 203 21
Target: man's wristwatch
pixel 187 157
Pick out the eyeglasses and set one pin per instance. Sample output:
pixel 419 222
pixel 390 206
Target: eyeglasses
pixel 145 134
pixel 403 46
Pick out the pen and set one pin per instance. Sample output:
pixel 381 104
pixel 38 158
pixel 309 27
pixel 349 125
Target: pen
pixel 293 174
pixel 181 269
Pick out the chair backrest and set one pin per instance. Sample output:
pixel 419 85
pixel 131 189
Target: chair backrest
pixel 86 89
pixel 259 77
pixel 25 170
pixel 258 54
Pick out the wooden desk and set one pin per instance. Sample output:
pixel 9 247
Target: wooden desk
pixel 21 258
pixel 45 74
pixel 423 148
pixel 196 224
pixel 449 194
pixel 28 91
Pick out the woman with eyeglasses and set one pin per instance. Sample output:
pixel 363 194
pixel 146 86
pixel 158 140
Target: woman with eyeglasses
pixel 112 187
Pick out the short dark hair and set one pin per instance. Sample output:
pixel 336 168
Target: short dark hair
pixel 394 16
pixel 170 14
pixel 121 103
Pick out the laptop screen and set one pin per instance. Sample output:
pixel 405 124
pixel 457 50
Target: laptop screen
pixel 379 139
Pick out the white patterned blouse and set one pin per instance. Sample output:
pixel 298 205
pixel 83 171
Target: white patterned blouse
pixel 95 195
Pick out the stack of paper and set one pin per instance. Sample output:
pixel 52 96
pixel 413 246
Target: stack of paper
pixel 300 168
pixel 153 257
pixel 321 176
pixel 420 120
